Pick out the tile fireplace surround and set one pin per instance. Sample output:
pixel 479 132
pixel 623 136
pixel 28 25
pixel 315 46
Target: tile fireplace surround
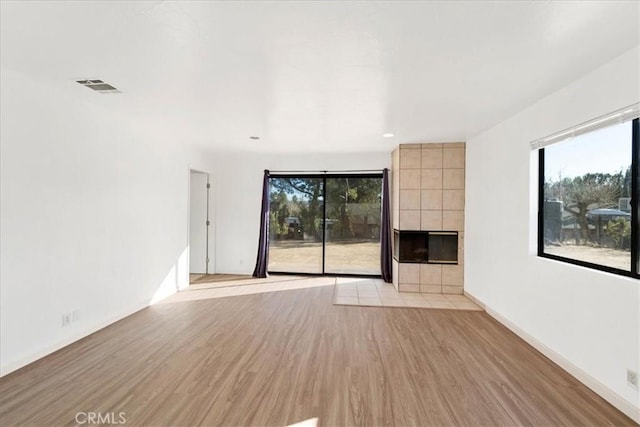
pixel 428 195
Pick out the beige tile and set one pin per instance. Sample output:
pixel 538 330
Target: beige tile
pixel 393 302
pixel 431 199
pixel 346 300
pixel 346 292
pixel 456 298
pixel 453 220
pixel 410 159
pixel 430 220
pixel 452 275
pixel 383 286
pixel 453 200
pixel 367 293
pixel 453 158
pixel 395 218
pixel 369 301
pixel 410 146
pixel 388 295
pixel 454 145
pixel 410 199
pixel 410 179
pixel 462 302
pixel 409 273
pixel 404 287
pixel 429 145
pixel 431 179
pixel 459 290
pixel 432 158
pixel 431 274
pixel 453 179
pixel 387 291
pixel 431 289
pixel 409 219
pixel 366 285
pixel 348 281
pixel 435 297
pixel 417 302
pixel 440 304
pixel 409 296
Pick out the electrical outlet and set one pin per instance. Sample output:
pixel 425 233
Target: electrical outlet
pixel 75 316
pixel 632 379
pixel 66 319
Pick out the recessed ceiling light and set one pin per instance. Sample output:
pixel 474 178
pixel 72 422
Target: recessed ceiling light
pixel 388 135
pixel 254 137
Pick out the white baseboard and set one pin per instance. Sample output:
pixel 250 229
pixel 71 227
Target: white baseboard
pixel 603 391
pixel 14 365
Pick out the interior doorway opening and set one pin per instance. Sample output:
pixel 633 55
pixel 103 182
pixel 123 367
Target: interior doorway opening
pixel 200 255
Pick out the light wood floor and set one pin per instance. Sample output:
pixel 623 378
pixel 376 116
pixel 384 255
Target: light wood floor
pixel 283 357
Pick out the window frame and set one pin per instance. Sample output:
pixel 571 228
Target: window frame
pixel 634 271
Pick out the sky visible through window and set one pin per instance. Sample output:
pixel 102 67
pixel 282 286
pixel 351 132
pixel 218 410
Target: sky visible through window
pixel 605 150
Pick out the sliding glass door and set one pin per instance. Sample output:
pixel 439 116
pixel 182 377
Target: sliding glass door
pixel 352 234
pixel 295 224
pixel 325 224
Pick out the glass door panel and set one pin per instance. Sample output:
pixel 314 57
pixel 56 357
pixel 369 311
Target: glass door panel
pixel 295 225
pixel 352 232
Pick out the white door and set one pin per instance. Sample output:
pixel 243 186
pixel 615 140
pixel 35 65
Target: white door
pixel 198 223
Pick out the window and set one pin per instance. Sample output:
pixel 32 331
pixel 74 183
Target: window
pixel 325 224
pixel 588 196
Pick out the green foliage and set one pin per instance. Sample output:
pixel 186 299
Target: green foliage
pixel 583 193
pixel 277 228
pixel 619 230
pixel 347 199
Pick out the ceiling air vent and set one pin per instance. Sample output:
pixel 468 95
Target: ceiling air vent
pixel 99 86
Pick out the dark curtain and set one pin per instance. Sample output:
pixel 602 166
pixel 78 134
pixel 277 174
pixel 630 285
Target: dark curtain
pixel 385 230
pixel 263 239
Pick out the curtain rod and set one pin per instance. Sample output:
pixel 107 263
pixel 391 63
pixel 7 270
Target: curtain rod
pixel 325 171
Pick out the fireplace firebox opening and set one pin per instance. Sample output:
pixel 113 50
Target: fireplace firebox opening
pixel 431 247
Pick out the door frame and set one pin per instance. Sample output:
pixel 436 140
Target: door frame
pixel 324 177
pixel 210 243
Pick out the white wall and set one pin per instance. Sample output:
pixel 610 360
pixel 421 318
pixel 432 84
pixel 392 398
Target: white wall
pixel 590 320
pixel 238 190
pixel 93 217
pixel 94 214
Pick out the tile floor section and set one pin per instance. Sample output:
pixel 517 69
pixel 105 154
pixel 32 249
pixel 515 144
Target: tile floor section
pixel 376 293
pixel 347 291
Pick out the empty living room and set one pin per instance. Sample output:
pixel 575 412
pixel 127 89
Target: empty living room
pixel 320 213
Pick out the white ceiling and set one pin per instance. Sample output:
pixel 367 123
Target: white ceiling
pixel 315 76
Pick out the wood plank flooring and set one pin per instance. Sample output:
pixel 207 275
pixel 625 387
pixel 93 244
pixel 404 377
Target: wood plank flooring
pixel 278 358
pixel 215 278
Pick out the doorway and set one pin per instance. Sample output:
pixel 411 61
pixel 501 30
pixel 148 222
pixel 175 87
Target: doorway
pixel 199 223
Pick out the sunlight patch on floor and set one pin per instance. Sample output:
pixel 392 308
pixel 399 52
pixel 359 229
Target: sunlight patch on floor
pixel 256 286
pixel 311 422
